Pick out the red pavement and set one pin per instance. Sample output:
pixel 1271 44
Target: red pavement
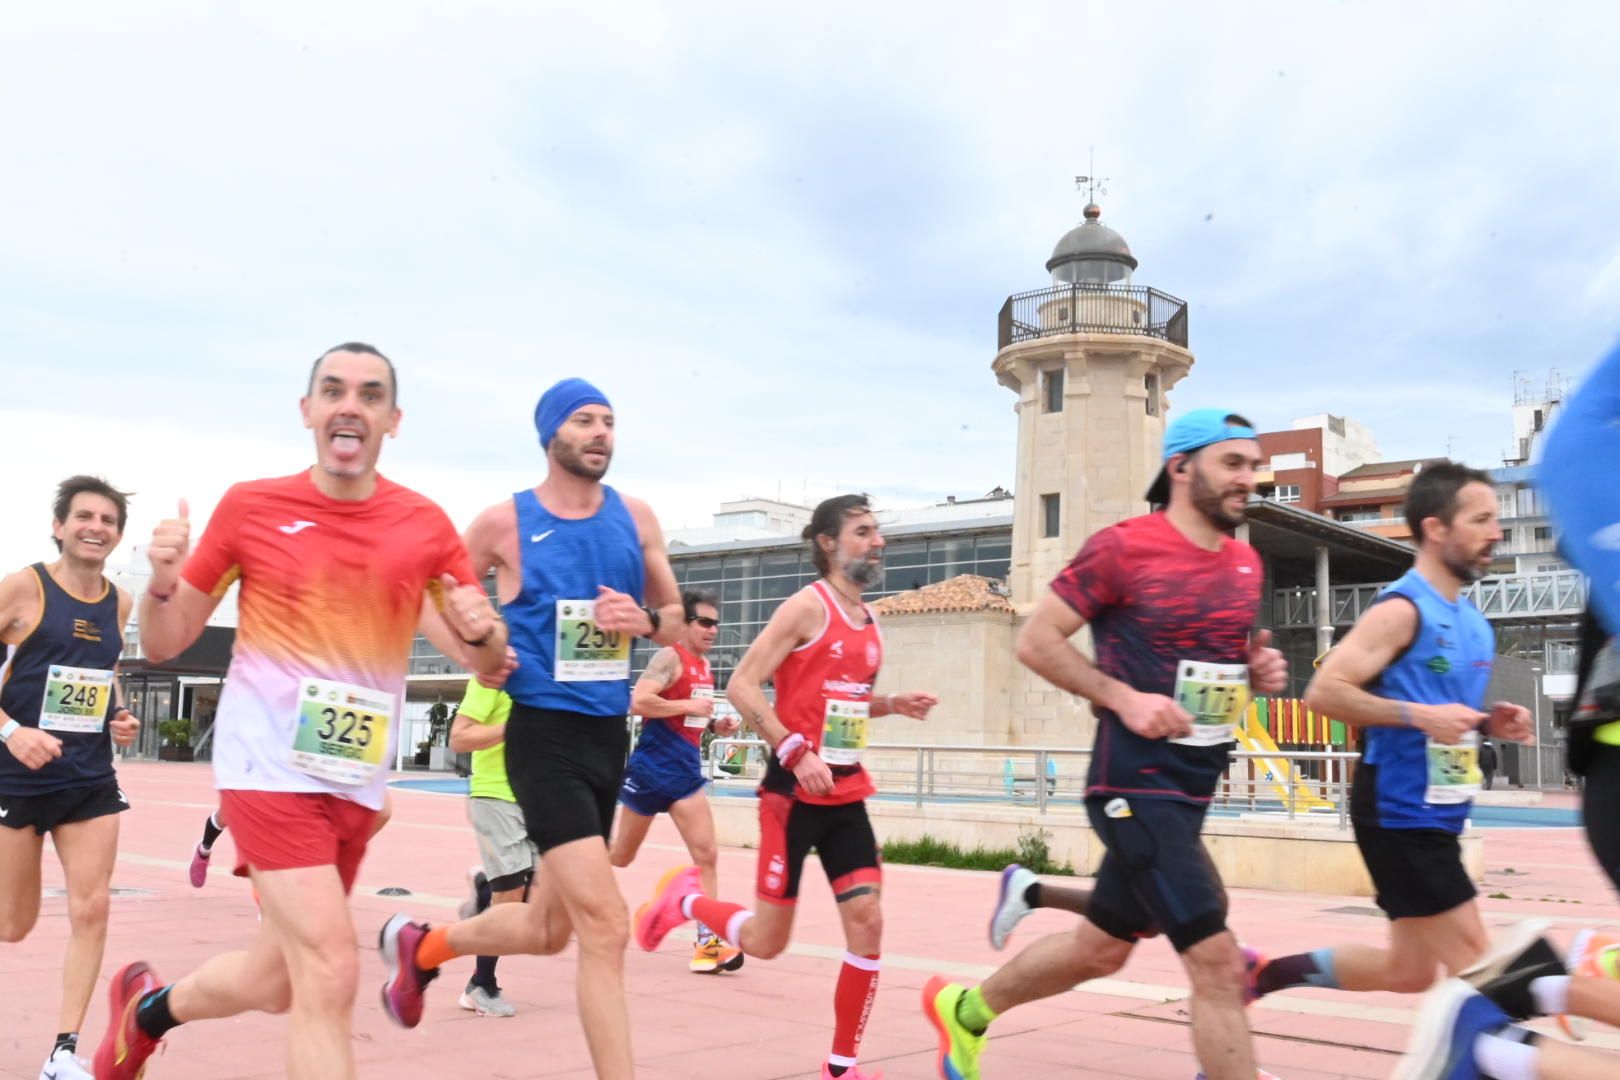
pixel 772 1019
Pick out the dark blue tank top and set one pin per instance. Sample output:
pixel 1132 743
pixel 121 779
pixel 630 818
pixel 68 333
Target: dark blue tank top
pixel 72 633
pixel 1448 662
pixel 566 559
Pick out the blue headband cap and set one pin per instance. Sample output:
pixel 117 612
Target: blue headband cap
pixel 1193 431
pixel 563 400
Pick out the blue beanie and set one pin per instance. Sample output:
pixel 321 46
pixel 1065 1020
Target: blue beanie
pixel 562 401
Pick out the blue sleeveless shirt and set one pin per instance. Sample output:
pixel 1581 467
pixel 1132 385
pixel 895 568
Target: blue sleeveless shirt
pixel 566 559
pixel 72 633
pixel 1447 663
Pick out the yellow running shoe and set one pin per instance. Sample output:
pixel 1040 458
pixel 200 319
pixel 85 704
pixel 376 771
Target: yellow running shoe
pixel 959 1048
pixel 1583 960
pixel 705 956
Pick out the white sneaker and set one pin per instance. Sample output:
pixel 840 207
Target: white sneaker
pixel 475 881
pixel 1010 905
pixel 477 999
pixel 64 1064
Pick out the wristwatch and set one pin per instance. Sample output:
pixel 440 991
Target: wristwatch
pixel 654 617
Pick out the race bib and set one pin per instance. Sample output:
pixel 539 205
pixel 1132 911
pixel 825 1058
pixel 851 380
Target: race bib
pixel 703 693
pixel 843 733
pixel 1454 775
pixel 584 651
pixel 341 733
pixel 76 699
pixel 1216 695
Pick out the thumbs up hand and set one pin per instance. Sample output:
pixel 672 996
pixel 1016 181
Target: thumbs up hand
pixel 171 541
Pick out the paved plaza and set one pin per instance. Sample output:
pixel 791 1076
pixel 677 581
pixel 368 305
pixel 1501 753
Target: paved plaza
pixel 772 1019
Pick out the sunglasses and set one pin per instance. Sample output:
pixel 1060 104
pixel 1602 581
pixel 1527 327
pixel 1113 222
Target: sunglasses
pixel 704 621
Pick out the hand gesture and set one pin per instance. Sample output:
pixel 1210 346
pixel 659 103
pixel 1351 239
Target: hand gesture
pixel 1446 724
pixel 703 707
pixel 171 542
pixel 727 725
pixel 1154 716
pixel 914 704
pixel 812 774
pixel 124 727
pixel 1511 722
pixel 619 611
pixel 33 747
pixel 1268 669
pixel 466 609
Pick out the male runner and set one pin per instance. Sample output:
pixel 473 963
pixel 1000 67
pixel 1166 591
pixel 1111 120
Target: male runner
pixel 503 840
pixel 1412 673
pixel 339 568
pixel 573 561
pixel 60 715
pixel 1171 599
pixel 822 648
pixel 675 698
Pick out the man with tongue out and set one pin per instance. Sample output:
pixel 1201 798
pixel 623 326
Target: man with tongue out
pixel 339 569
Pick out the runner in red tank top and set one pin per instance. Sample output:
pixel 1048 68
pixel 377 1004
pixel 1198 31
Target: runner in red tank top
pixel 823 649
pixel 676 700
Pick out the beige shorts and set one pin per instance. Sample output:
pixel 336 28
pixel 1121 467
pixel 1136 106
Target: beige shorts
pixel 503 839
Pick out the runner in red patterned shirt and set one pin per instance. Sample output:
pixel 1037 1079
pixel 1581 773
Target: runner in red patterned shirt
pixel 339 569
pixel 823 649
pixel 1171 599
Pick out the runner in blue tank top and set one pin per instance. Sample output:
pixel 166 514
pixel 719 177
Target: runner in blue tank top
pixel 60 714
pixel 574 564
pixel 1412 673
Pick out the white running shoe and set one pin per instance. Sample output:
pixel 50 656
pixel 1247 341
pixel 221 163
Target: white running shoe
pixel 1010 905
pixel 477 999
pixel 64 1064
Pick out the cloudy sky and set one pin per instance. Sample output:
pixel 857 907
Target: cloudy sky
pixel 777 236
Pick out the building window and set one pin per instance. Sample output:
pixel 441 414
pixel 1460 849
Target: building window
pixel 1286 493
pixel 1150 383
pixel 1052 391
pixel 1544 533
pixel 1051 516
pixel 1361 515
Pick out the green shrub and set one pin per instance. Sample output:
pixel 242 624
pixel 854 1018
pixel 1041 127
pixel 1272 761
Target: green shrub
pixel 1032 852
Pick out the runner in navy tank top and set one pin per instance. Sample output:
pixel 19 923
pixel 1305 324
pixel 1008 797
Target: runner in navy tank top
pixel 678 704
pixel 574 564
pixel 1171 599
pixel 823 650
pixel 60 715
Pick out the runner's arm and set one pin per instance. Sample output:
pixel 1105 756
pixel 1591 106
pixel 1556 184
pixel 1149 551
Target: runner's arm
pixel 469 733
pixel 1044 648
pixel 1376 641
pixel 485 658
pixel 660 591
pixel 662 670
pixel 124 724
pixel 169 627
pixel 19 610
pixel 794 623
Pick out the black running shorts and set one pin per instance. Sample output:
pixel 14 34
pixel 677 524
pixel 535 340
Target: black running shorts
pixel 565 769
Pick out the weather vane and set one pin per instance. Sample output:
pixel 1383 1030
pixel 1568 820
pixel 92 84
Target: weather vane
pixel 1092 185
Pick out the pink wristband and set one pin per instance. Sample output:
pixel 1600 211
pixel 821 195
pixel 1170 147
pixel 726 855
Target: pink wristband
pixel 791 749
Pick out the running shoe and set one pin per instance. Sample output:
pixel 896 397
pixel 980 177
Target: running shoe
pixel 403 992
pixel 1010 905
pixel 854 1072
pixel 658 916
pixel 1583 961
pixel 1254 962
pixel 199 866
pixel 1517 957
pixel 476 883
pixel 64 1064
pixel 1452 1017
pixel 959 1048
pixel 485 1002
pixel 705 956
pixel 124 1049
pixel 731 957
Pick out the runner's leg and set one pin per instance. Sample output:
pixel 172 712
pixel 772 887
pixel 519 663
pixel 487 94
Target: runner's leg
pixel 628 835
pixel 20 854
pixel 87 850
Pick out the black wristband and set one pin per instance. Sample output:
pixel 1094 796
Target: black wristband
pixel 654 617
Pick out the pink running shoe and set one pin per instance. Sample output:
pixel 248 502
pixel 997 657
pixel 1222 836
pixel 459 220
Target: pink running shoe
pixel 1254 962
pixel 854 1072
pixel 199 867
pixel 402 994
pixel 656 918
pixel 124 1049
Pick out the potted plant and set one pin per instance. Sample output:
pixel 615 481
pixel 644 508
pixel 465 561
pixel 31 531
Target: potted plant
pixel 176 733
pixel 423 750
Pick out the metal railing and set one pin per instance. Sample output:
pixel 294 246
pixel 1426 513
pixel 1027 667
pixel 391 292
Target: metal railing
pixel 1506 596
pixel 1092 309
pixel 1287 783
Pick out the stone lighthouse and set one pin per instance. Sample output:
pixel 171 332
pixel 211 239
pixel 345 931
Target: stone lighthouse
pixel 1092 359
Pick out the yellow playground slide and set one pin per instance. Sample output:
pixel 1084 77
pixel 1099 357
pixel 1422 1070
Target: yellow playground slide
pixel 1278 772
